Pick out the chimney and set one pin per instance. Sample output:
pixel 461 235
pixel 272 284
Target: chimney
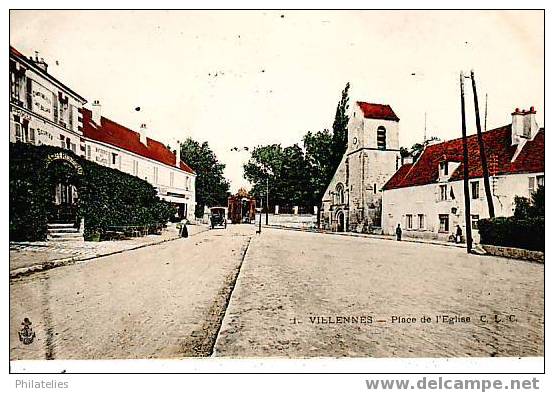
pixel 142 132
pixel 524 125
pixel 40 63
pixel 96 112
pixel 178 155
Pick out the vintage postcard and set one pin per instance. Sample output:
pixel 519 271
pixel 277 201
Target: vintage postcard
pixel 266 184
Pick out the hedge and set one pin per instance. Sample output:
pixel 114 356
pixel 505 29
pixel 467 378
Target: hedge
pixel 107 197
pixel 513 232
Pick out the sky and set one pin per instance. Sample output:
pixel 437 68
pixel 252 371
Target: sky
pixel 248 78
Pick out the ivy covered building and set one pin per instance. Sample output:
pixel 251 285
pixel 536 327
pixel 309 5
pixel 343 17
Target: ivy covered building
pixel 46 112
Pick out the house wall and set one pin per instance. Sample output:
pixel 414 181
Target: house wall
pixel 426 200
pixel 37 115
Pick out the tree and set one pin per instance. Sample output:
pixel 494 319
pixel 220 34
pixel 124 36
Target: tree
pixel 299 176
pixel 416 149
pixel 212 189
pixel 530 208
pixel 283 170
pixel 340 127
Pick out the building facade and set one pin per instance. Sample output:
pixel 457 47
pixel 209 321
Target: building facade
pixel 427 197
pixel 352 200
pixel 111 144
pixel 43 111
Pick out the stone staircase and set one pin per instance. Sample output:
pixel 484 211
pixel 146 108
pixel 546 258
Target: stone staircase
pixel 64 232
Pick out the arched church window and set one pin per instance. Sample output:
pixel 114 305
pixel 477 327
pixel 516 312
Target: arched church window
pixel 381 138
pixel 339 194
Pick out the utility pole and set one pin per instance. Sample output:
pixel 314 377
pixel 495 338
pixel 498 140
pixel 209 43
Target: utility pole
pixel 425 130
pixel 267 200
pixel 482 151
pixel 486 107
pixel 469 239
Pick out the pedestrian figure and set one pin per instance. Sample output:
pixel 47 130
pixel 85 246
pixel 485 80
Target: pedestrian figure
pixel 398 233
pixel 458 234
pixel 184 231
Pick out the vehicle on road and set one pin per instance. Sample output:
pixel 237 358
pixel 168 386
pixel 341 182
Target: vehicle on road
pixel 218 217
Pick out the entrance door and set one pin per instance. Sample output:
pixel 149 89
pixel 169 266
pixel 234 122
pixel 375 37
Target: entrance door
pixel 64 209
pixel 340 221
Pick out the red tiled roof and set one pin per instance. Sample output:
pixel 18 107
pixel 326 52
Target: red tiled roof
pixel 499 152
pixel 377 111
pixel 397 178
pixel 117 135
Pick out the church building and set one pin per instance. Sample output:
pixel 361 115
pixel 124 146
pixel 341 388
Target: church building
pixel 352 201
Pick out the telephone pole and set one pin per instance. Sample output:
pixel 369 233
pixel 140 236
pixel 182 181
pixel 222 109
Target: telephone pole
pixel 482 151
pixel 469 239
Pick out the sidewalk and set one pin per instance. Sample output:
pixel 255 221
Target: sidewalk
pixel 371 236
pixel 28 257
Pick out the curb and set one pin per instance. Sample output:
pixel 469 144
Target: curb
pixel 363 235
pixel 25 271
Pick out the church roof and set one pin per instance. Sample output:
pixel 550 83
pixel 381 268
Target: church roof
pixel 499 151
pixel 119 136
pixel 377 111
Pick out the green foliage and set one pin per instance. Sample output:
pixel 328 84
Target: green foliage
pixel 524 230
pixel 212 189
pixel 299 176
pixel 107 197
pixel 530 208
pixel 513 232
pixel 416 149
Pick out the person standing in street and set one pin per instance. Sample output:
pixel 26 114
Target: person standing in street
pixel 458 234
pixel 398 233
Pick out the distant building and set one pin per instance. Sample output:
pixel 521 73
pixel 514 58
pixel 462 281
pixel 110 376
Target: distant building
pixel 111 144
pixel 352 201
pixel 426 198
pixel 44 111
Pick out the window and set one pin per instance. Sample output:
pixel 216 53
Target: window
pixel 474 220
pixel 339 194
pixel 540 181
pixel 135 167
pixel 474 190
pixel 155 174
pixel 444 192
pixel 171 179
pixel 88 152
pixel 531 186
pixel 18 133
pixel 443 166
pixel 375 188
pixel 62 141
pixel 409 223
pixel 421 221
pixel 32 135
pixel 443 223
pixel 381 138
pixel 114 158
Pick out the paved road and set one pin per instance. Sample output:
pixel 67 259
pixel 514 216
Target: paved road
pixel 307 294
pixel 162 301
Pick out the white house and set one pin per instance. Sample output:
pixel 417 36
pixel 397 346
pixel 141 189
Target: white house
pixel 43 111
pixel 426 198
pixel 352 200
pixel 111 144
